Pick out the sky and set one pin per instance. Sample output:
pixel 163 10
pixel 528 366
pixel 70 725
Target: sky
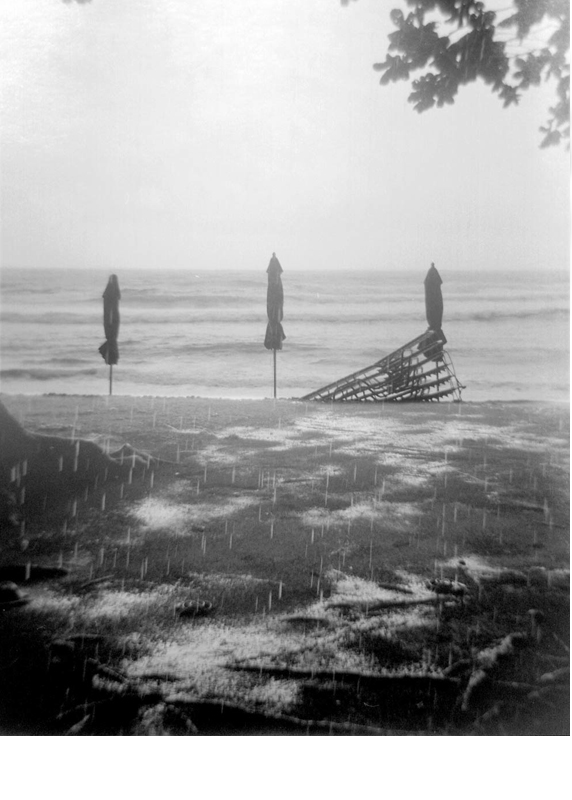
pixel 208 134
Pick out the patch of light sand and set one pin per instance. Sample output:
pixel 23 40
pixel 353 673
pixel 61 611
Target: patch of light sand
pixel 473 565
pixel 197 655
pixel 351 587
pixel 224 580
pixel 108 604
pixel 380 510
pixel 114 605
pixel 279 435
pixel 157 513
pixel 217 455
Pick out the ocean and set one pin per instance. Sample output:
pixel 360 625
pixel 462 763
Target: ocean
pixel 202 334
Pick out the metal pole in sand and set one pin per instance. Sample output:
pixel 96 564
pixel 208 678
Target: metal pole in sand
pixel 110 378
pixel 274 352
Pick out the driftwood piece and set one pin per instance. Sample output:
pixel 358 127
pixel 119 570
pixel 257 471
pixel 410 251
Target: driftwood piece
pixel 395 587
pixel 346 676
pixel 447 587
pixel 79 726
pixel 94 582
pixel 458 667
pixel 486 661
pixel 377 605
pixel 555 676
pixel 253 718
pixel 158 677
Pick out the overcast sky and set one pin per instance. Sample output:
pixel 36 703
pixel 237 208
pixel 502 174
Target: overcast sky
pixel 206 134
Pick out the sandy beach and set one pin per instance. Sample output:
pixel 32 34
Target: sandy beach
pixel 241 566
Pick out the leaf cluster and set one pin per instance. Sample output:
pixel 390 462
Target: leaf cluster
pixel 455 42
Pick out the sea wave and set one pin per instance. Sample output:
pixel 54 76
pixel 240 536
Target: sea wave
pixel 316 315
pixel 43 374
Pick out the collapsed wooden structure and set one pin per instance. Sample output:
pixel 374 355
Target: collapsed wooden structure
pixel 421 370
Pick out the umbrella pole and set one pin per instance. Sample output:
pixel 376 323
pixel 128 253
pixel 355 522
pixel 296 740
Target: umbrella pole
pixel 274 352
pixel 110 378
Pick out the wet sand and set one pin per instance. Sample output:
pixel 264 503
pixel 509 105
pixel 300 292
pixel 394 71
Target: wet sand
pixel 301 540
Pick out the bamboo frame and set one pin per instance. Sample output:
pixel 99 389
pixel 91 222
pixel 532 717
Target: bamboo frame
pixel 421 370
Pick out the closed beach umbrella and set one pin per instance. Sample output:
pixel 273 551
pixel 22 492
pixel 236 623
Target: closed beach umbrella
pixel 434 302
pixel 109 349
pixel 275 310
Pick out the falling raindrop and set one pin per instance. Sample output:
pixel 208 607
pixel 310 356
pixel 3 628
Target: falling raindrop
pixel 103 502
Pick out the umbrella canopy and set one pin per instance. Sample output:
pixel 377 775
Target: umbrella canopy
pixel 434 302
pixel 111 296
pixel 274 306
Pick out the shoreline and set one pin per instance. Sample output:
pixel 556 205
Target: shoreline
pixel 254 398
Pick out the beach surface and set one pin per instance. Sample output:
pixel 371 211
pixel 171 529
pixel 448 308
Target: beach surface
pixel 260 566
